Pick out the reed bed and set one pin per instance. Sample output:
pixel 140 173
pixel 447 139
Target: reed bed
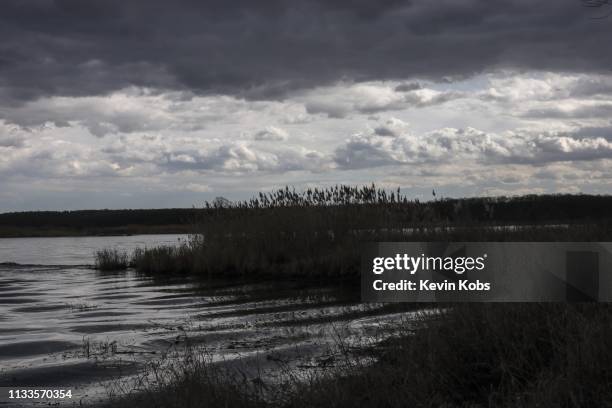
pixel 317 233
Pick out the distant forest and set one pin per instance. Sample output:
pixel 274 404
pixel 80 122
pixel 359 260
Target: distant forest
pixel 97 222
pixel 528 209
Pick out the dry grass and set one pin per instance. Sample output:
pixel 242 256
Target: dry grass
pixel 189 382
pixel 489 355
pixel 476 355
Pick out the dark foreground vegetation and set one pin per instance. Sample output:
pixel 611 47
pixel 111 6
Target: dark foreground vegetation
pixel 470 355
pixel 318 233
pixel 476 355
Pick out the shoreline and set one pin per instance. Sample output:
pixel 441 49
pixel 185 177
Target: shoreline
pixel 95 232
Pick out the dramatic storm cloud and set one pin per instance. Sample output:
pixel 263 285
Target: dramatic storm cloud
pixel 264 49
pixel 157 103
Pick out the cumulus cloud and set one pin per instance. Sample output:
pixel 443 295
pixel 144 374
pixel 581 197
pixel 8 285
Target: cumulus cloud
pixel 392 127
pixel 10 137
pixel 271 133
pixel 158 96
pixel 537 96
pixel 126 111
pixel 192 154
pixel 241 157
pixel 547 86
pixel 56 159
pixel 368 98
pixel 469 145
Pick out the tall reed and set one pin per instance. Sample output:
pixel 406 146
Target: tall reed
pixel 318 232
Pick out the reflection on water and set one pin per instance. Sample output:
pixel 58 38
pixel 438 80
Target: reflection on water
pixel 73 326
pixel 73 250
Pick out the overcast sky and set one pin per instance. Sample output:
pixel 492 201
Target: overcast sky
pixel 140 104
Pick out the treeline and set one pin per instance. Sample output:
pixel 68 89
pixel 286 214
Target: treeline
pixel 372 206
pixel 98 222
pixel 98 218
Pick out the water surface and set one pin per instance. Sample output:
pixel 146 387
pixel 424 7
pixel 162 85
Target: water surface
pixel 73 250
pixel 64 324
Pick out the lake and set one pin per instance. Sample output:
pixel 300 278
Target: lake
pixel 64 324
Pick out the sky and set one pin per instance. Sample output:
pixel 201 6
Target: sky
pixel 152 104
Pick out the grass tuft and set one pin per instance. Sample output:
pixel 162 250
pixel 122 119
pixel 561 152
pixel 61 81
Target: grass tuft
pixel 111 259
pixel 162 259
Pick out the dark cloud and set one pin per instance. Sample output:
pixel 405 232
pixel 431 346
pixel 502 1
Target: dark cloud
pixel 11 141
pixel 265 49
pixel 602 110
pixel 594 132
pixel 408 86
pixel 588 87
